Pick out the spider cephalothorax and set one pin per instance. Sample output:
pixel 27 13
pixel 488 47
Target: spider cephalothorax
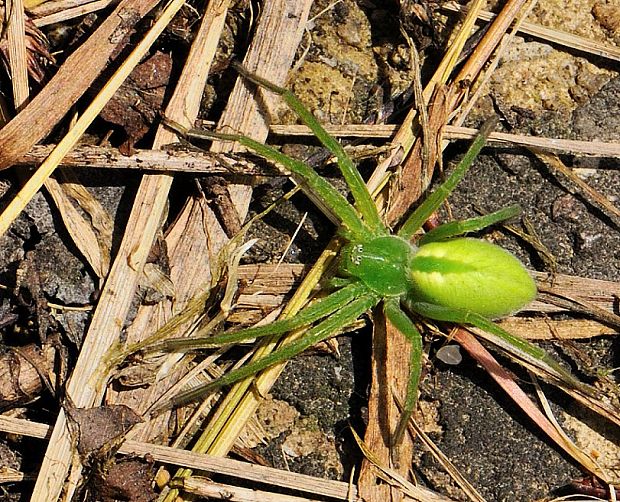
pixel 383 264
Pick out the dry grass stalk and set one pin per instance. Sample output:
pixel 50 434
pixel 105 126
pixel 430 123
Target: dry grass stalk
pixel 18 58
pixel 84 386
pixel 72 13
pixel 552 35
pixel 202 462
pixel 188 161
pixel 593 196
pixel 559 145
pixel 183 238
pixel 9 475
pixel 532 328
pixel 445 462
pixel 595 291
pixel 54 6
pixel 276 284
pixel 93 241
pixel 204 487
pixel 595 147
pixel 483 77
pixel 272 52
pixel 191 161
pixel 405 489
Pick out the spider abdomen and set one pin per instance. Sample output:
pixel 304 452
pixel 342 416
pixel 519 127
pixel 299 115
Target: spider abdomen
pixel 382 264
pixel 471 274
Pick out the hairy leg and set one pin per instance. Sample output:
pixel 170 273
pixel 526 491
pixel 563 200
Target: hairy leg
pixel 318 310
pixel 325 329
pixel 441 193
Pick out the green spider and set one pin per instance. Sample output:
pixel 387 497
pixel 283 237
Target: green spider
pixel 442 277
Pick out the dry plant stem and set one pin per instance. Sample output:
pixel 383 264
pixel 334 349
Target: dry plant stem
pixel 552 35
pixel 397 481
pixel 489 42
pixel 202 462
pixel 482 81
pixel 564 329
pixel 594 147
pixel 85 156
pixel 592 195
pixel 76 75
pixel 18 59
pixel 453 54
pixel 445 462
pixel 83 387
pixel 36 181
pixel 405 136
pixel 278 34
pixel 9 475
pixel 187 161
pixel 595 293
pixel 204 487
pixel 48 8
pixel 598 148
pixel 67 14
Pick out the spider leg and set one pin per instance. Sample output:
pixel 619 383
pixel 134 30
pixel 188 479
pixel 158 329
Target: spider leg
pixel 318 310
pixel 402 322
pixel 325 329
pixel 346 213
pixel 514 345
pixel 363 200
pixel 454 228
pixel 441 193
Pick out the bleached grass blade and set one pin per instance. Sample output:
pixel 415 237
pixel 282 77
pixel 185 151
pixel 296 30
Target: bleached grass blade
pixel 84 387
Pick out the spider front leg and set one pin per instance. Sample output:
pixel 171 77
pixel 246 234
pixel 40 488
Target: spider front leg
pixel 327 328
pixel 363 200
pixel 441 193
pixel 320 187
